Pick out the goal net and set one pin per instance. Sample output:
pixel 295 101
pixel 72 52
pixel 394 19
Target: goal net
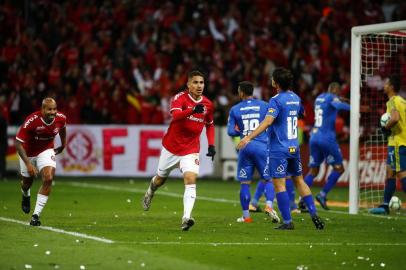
pixel 377 52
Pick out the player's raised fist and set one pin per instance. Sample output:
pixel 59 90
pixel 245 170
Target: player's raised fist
pixel 199 108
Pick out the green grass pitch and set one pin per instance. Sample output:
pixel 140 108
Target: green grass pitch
pixel 126 237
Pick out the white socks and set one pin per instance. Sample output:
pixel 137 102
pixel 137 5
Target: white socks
pixel 189 198
pixel 41 201
pixel 26 193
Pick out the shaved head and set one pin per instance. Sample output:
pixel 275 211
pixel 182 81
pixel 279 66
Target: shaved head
pixel 48 109
pixel 48 101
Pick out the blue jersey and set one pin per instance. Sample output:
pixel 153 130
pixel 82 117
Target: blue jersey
pixel 285 107
pixel 246 116
pixel 326 107
pixel 243 119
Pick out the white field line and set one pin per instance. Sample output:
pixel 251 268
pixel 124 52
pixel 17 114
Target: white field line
pixel 203 198
pixel 265 244
pixel 52 229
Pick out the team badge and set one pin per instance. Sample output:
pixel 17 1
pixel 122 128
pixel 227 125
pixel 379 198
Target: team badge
pixel 197 161
pixel 53 158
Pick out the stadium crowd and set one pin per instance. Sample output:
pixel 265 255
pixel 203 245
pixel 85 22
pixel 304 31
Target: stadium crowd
pixel 120 61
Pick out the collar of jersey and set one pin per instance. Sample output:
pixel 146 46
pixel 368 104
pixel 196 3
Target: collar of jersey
pixel 195 101
pixel 43 121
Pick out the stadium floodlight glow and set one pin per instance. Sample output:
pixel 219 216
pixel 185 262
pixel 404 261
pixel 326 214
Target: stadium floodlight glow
pixel 374 50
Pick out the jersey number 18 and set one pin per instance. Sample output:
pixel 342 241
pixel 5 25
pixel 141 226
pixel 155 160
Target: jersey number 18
pixel 292 127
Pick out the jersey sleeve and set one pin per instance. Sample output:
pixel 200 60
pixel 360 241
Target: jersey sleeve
pixel 339 105
pixel 397 104
pixel 24 131
pixel 273 108
pixel 176 103
pixel 231 131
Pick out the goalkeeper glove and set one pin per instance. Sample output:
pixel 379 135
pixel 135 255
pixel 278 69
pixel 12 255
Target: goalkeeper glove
pixel 199 108
pixel 386 132
pixel 211 152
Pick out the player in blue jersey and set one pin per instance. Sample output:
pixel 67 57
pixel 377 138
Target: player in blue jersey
pixel 243 119
pixel 281 121
pixel 323 142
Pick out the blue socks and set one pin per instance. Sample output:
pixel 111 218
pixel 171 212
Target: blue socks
pixel 245 197
pixel 283 204
pixel 309 201
pixel 390 187
pixel 258 193
pixel 290 189
pixel 269 193
pixel 309 179
pixel 331 182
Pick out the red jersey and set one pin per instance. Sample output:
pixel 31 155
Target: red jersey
pixel 38 136
pixel 183 135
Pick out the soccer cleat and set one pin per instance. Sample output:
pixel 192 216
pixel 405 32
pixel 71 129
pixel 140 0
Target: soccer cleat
pixel 245 220
pixel 35 220
pixel 302 206
pixel 318 222
pixel 322 201
pixel 285 226
pixel 382 209
pixel 26 204
pixel 254 209
pixel 272 214
pixel 187 223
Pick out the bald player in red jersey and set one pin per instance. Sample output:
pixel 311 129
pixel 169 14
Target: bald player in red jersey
pixel 35 147
pixel 191 112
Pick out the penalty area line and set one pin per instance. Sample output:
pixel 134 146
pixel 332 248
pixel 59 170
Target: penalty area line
pixel 52 229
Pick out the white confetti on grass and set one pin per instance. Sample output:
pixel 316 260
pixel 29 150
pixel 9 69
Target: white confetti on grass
pixel 142 264
pixel 382 265
pixel 28 266
pixel 35 245
pixel 129 200
pixel 47 252
pixel 129 261
pixel 82 267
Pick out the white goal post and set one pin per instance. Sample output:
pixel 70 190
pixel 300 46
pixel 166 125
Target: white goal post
pixel 357 78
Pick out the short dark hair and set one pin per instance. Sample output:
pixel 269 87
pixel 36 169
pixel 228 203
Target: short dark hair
pixel 283 77
pixel 193 73
pixel 394 80
pixel 333 85
pixel 246 87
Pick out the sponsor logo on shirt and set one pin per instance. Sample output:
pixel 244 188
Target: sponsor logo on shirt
pixel 271 110
pixel 292 149
pixel 193 118
pixel 40 128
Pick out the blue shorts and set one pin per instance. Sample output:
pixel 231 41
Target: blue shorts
pixel 283 167
pixel 324 150
pixel 397 158
pixel 254 155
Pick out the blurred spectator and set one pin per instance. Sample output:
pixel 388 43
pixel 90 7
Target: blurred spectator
pixel 94 55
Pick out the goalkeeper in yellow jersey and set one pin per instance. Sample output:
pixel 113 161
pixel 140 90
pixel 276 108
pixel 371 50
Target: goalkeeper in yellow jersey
pixel 396 131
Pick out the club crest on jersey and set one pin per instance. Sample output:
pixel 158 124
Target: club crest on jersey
pixel 53 158
pixel 292 150
pixel 197 161
pixel 271 110
pixel 243 173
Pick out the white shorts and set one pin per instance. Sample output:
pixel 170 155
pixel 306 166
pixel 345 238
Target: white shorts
pixel 169 161
pixel 44 159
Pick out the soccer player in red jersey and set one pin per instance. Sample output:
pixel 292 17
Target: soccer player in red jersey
pixel 35 146
pixel 191 112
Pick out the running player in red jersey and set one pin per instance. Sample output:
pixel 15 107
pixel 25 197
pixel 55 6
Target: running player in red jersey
pixel 35 147
pixel 191 112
